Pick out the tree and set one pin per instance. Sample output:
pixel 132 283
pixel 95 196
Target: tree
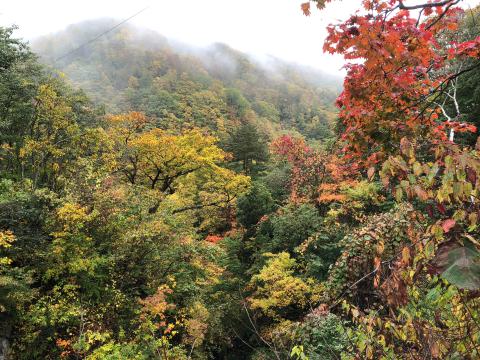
pixel 247 144
pixel 461 99
pixel 398 73
pixel 276 288
pixel 237 103
pixel 255 204
pixel 294 225
pixel 308 166
pixel 391 95
pixel 14 292
pixel 45 150
pixel 85 268
pixel 167 164
pixel 19 79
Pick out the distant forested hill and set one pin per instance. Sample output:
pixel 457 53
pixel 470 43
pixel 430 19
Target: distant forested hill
pixel 180 86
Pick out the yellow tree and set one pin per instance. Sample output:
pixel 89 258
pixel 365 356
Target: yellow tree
pixel 52 131
pixel 122 129
pixel 165 163
pixel 163 158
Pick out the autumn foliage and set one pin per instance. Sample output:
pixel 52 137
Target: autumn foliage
pixel 178 229
pixel 400 72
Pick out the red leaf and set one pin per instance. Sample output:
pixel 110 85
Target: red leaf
pixel 422 194
pixel 430 210
pixel 471 175
pixel 441 208
pixel 448 225
pixel 213 238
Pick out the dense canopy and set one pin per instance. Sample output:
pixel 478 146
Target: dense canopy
pixel 163 202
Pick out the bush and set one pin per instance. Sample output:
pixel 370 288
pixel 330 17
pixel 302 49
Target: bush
pixel 323 337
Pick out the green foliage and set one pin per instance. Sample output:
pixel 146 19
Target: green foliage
pixel 277 181
pixel 380 237
pixel 113 351
pixel 303 233
pixel 19 78
pixel 212 88
pixel 255 204
pixel 237 102
pixel 247 145
pixel 80 253
pixel 294 225
pixel 266 110
pixel 439 307
pixel 132 235
pixel 459 264
pixel 322 336
pixel 321 250
pixel 297 353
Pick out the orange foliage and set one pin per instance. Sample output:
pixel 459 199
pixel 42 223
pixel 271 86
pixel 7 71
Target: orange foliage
pixel 213 238
pixel 389 76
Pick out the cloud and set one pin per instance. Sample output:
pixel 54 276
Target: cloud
pixel 262 27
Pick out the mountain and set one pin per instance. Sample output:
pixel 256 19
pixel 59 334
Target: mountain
pixel 179 85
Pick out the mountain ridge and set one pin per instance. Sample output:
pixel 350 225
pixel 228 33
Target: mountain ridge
pixel 131 68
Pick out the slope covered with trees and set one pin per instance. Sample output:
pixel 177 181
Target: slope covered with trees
pixel 137 69
pixel 148 233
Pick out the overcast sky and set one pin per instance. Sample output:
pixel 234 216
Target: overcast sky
pixel 262 27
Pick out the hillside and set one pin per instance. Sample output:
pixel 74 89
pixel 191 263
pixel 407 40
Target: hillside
pixel 138 69
pixel 159 201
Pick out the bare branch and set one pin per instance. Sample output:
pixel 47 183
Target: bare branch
pixel 425 5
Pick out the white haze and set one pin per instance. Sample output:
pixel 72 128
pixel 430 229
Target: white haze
pixel 259 27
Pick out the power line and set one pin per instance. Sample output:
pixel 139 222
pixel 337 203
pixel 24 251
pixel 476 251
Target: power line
pixel 100 35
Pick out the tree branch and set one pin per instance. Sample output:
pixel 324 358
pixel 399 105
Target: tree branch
pixel 402 6
pixel 196 207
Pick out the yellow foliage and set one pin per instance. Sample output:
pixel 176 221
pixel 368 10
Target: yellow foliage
pixel 124 126
pixel 6 240
pixel 163 157
pixel 276 286
pixel 52 133
pixel 157 304
pixel 71 212
pixel 72 216
pixel 182 171
pixel 197 323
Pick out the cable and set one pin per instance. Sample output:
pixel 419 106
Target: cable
pixel 99 36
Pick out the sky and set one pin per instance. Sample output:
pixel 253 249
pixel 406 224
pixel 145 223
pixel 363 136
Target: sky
pixel 259 27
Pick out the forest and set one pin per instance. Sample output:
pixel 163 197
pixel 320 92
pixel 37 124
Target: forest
pixel 161 201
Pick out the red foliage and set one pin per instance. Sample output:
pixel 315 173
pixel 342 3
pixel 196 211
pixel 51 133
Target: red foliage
pixel 316 176
pixel 389 76
pixel 448 224
pixel 467 48
pixel 308 166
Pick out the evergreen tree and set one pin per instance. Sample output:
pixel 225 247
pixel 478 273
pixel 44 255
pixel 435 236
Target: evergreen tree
pixel 247 144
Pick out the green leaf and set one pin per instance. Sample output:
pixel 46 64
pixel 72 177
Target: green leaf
pixel 399 194
pixel 459 264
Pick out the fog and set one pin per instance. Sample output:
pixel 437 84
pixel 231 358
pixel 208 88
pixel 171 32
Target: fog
pixel 262 27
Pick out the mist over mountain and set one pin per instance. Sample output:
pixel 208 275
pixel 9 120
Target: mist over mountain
pixel 138 69
pixel 166 201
